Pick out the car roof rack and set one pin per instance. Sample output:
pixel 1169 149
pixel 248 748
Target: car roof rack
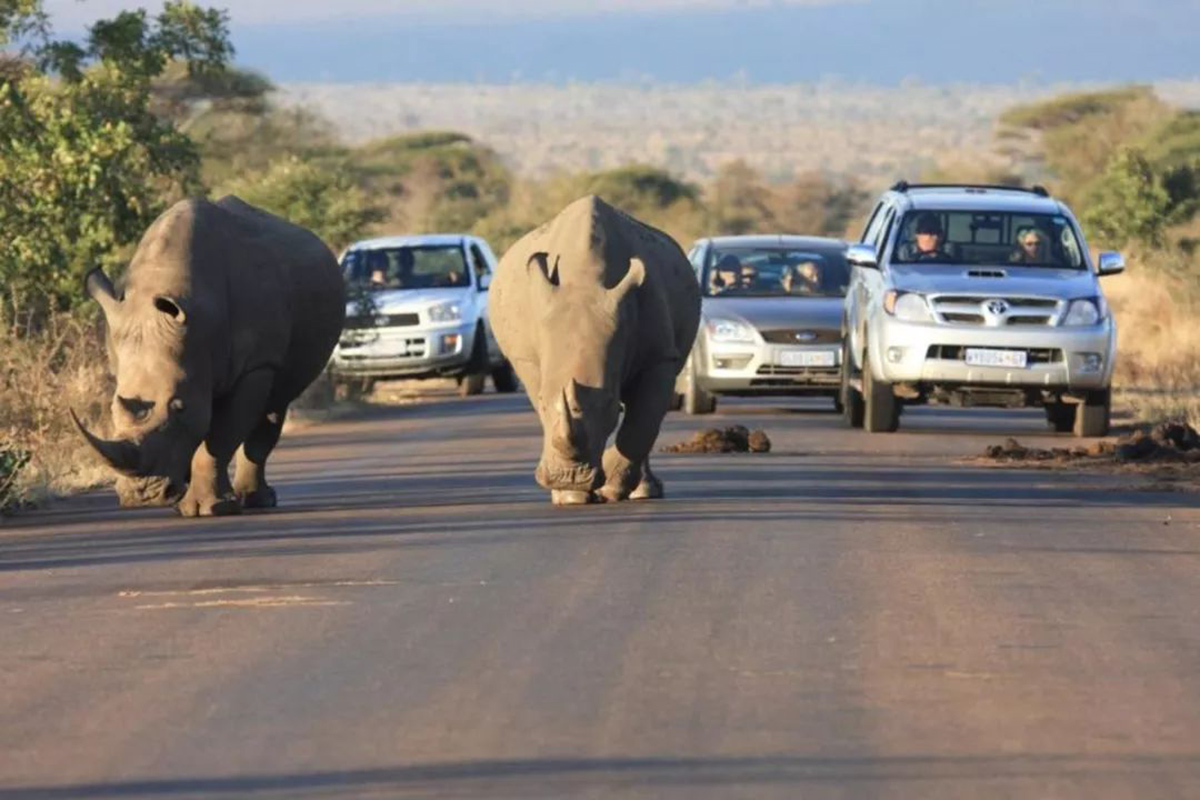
pixel 904 186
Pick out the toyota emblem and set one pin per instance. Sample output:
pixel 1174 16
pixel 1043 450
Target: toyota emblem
pixel 805 336
pixel 997 308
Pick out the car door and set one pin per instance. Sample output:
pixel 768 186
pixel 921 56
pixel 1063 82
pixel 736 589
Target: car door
pixel 482 263
pixel 866 284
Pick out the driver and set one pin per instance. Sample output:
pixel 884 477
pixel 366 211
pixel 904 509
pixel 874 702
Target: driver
pixel 929 243
pixel 727 274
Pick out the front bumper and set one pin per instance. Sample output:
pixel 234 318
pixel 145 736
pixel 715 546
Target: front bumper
pixel 762 368
pixel 405 352
pixel 930 353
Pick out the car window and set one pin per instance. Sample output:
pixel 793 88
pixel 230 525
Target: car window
pixel 868 236
pixel 479 265
pixel 776 272
pixel 988 238
pixel 409 267
pixel 885 232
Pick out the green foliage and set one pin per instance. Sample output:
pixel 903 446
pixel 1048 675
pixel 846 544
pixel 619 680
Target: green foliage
pixel 85 165
pixel 321 197
pixel 12 461
pixel 1130 204
pixel 1073 109
pixel 640 189
pixel 433 181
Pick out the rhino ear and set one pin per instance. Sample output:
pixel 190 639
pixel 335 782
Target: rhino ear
pixel 541 263
pixel 634 278
pixel 100 289
pixel 171 307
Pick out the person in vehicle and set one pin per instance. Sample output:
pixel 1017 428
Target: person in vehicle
pixel 749 276
pixel 802 278
pixel 928 242
pixel 1031 248
pixel 727 274
pixel 377 267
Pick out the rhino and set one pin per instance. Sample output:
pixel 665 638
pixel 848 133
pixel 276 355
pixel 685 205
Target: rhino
pixel 228 313
pixel 597 313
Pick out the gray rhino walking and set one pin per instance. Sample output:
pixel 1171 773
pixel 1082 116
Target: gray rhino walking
pixel 596 310
pixel 228 313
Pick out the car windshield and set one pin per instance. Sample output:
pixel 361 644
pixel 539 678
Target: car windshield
pixel 775 272
pixel 416 267
pixel 988 238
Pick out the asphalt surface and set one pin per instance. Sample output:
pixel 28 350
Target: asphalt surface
pixel 849 616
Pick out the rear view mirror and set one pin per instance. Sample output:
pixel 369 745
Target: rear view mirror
pixel 862 255
pixel 485 280
pixel 1111 263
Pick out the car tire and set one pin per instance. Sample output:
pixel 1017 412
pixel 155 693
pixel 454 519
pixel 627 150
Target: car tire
pixel 1061 416
pixel 882 411
pixel 504 378
pixel 851 399
pixel 676 401
pixel 696 401
pixel 838 406
pixel 471 384
pixel 1093 416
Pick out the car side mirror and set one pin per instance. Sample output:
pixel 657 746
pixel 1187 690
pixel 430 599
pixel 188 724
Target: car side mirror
pixel 485 280
pixel 862 255
pixel 1111 263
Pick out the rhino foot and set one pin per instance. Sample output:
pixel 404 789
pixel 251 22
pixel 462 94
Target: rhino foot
pixel 208 507
pixel 260 498
pixel 565 497
pixel 649 489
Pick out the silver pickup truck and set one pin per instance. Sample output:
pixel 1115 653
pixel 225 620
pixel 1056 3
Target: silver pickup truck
pixel 418 308
pixel 977 296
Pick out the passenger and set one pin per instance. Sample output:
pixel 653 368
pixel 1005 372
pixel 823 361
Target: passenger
pixel 749 276
pixel 930 241
pixel 726 275
pixel 802 278
pixel 1031 248
pixel 377 267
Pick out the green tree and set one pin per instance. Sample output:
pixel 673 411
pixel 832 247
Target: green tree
pixel 85 165
pixel 1129 203
pixel 322 197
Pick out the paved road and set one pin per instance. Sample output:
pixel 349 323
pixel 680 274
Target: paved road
pixel 850 616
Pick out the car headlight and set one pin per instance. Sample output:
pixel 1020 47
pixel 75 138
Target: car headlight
pixel 1086 311
pixel 907 306
pixel 446 312
pixel 727 330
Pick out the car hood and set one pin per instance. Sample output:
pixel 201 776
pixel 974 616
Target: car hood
pixel 1061 284
pixel 771 313
pixel 394 301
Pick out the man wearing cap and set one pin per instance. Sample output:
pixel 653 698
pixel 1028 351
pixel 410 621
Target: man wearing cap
pixel 929 244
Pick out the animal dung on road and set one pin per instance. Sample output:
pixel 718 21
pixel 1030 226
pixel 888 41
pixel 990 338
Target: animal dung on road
pixel 1167 442
pixel 734 439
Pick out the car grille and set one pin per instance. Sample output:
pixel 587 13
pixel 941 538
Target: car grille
pixel 770 375
pixel 957 352
pixel 382 321
pixel 801 336
pixel 973 310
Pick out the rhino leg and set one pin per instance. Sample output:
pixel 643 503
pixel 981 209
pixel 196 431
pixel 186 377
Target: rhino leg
pixel 250 477
pixel 626 462
pixel 210 494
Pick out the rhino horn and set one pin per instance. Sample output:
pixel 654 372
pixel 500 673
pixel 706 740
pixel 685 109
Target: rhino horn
pixel 634 277
pixel 121 455
pixel 100 289
pixel 566 432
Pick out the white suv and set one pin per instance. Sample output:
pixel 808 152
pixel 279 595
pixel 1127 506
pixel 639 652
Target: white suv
pixel 977 296
pixel 418 308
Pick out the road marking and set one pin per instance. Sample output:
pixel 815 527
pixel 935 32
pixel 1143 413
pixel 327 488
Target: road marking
pixel 251 602
pixel 250 589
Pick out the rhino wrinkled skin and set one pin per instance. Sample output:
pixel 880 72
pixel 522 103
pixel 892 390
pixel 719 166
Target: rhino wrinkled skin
pixel 597 313
pixel 228 313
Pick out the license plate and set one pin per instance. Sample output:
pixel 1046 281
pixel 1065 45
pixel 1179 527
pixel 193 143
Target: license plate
pixel 807 358
pixel 997 358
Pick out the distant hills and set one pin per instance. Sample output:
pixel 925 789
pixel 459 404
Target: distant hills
pixel 878 41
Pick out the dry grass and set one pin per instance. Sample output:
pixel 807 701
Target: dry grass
pixel 1157 308
pixel 42 375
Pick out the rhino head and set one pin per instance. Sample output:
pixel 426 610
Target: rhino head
pixel 583 345
pixel 162 405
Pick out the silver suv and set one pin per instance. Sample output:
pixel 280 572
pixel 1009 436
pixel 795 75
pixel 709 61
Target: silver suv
pixel 977 296
pixel 418 309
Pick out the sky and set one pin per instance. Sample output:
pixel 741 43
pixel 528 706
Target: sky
pixel 687 41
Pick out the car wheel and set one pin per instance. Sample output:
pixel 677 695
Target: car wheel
pixel 882 412
pixel 472 384
pixel 1093 415
pixel 504 378
pixel 851 400
pixel 838 406
pixel 695 400
pixel 1061 416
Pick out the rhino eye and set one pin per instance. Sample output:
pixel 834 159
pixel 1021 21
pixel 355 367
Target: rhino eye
pixel 136 408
